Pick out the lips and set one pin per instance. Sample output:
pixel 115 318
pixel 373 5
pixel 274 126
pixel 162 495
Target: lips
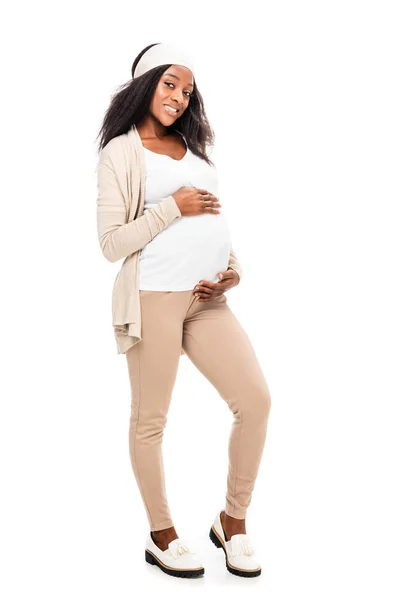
pixel 171 110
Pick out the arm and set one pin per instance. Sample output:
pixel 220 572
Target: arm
pixel 234 264
pixel 119 238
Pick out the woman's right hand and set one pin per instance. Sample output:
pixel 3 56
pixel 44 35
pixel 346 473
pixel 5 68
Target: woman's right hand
pixel 195 201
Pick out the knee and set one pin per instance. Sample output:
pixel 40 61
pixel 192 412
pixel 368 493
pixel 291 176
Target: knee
pixel 257 404
pixel 149 427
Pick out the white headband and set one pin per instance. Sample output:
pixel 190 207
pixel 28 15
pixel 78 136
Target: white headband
pixel 162 54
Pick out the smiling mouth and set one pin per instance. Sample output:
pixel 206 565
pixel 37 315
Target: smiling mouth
pixel 169 110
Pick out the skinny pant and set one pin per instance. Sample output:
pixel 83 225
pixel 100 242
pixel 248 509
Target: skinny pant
pixel 218 346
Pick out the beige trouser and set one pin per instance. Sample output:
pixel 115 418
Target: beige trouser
pixel 216 343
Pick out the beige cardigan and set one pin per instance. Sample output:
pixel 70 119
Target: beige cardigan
pixel 124 229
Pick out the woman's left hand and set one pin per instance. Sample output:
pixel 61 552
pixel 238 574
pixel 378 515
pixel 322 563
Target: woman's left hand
pixel 207 290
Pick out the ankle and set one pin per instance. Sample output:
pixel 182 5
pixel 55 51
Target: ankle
pixel 163 537
pixel 232 526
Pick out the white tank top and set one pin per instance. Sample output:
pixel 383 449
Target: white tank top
pixel 191 247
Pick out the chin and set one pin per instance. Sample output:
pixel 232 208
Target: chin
pixel 167 122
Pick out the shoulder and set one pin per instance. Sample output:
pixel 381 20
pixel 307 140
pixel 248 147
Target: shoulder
pixel 121 153
pixel 112 149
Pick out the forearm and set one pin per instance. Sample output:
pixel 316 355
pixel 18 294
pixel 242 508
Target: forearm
pixel 119 239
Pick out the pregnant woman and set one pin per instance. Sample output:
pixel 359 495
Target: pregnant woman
pixel 158 208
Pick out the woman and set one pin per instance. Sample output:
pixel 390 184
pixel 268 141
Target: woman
pixel 157 208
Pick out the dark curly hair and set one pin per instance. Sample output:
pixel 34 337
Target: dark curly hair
pixel 131 103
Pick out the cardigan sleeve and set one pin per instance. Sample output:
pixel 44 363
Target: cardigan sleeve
pixel 119 238
pixel 234 264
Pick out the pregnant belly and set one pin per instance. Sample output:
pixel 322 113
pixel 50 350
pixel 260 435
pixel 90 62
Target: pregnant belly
pixel 195 234
pixel 188 249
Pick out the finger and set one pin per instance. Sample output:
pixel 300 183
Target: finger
pixel 206 297
pixel 201 191
pixel 213 296
pixel 210 203
pixel 202 295
pixel 228 274
pixel 207 285
pixel 203 291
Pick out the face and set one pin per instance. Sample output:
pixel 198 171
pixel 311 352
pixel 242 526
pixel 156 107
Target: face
pixel 173 90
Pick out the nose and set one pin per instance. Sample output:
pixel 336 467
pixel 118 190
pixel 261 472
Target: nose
pixel 177 97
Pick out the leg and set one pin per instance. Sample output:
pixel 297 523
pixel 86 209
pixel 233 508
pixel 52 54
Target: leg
pixel 152 366
pixel 218 346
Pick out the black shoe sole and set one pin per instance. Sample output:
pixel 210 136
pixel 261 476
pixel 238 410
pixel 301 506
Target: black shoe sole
pixel 216 540
pixel 153 560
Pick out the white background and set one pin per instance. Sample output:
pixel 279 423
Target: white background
pixel 304 100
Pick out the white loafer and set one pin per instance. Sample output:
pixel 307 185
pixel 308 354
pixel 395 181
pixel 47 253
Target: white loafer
pixel 177 560
pixel 240 557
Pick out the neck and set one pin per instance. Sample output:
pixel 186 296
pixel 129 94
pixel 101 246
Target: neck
pixel 150 128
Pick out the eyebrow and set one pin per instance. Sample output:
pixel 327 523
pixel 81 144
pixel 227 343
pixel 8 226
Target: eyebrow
pixel 176 77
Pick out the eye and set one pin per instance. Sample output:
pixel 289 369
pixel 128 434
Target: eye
pixel 189 95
